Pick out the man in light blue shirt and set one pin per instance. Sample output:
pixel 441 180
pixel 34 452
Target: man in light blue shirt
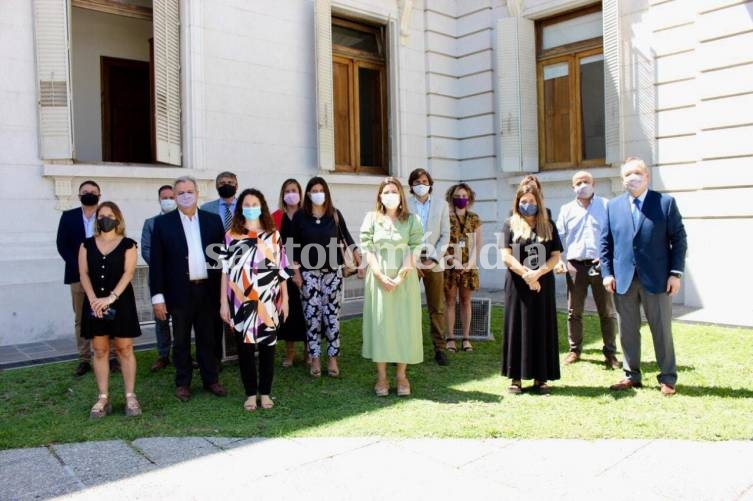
pixel 227 185
pixel 579 224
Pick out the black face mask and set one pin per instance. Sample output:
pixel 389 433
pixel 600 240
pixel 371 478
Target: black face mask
pixel 227 190
pixel 89 199
pixel 106 224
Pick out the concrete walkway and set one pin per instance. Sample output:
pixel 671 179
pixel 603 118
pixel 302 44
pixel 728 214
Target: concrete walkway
pixel 380 469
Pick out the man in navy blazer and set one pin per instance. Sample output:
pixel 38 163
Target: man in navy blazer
pixel 75 226
pixel 184 278
pixel 643 247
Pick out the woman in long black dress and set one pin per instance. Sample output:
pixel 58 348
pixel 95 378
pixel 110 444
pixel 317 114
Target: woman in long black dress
pixel 107 262
pixel 293 328
pixel 531 248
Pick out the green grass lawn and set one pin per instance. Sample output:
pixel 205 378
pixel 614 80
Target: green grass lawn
pixel 42 405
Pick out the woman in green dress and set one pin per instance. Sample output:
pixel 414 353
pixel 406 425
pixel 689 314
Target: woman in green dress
pixel 392 304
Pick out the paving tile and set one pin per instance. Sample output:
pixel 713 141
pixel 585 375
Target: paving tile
pixel 679 469
pixel 100 462
pixel 562 462
pixel 454 452
pixel 165 451
pixel 50 478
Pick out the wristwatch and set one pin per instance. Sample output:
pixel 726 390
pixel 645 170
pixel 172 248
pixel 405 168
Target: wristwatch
pixel 676 274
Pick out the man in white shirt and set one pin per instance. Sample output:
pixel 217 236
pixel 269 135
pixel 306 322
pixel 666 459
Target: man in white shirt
pixel 184 278
pixel 579 224
pixel 435 219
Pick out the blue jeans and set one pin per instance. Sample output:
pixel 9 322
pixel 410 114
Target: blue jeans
pixel 164 339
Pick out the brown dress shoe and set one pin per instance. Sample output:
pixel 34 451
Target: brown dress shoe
pixel 216 389
pixel 611 362
pixel 114 366
pixel 83 368
pixel 625 384
pixel 571 358
pixel 183 393
pixel 159 364
pixel 667 390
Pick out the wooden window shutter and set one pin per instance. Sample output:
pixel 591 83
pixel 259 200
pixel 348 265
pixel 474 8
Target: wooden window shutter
pixel 167 105
pixel 325 130
pixel 612 81
pixel 51 35
pixel 517 119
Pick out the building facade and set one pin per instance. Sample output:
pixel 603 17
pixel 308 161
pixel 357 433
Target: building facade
pixel 134 93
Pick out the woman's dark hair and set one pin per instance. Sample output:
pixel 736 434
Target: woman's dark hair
pixel 329 207
pixel 238 224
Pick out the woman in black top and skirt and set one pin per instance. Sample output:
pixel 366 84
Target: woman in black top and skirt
pixel 107 262
pixel 318 270
pixel 293 328
pixel 531 249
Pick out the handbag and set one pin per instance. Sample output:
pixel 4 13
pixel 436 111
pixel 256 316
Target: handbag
pixel 350 263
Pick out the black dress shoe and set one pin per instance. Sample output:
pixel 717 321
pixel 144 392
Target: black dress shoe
pixel 83 368
pixel 441 358
pixel 114 366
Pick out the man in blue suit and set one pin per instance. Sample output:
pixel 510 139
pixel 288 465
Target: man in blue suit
pixel 75 226
pixel 184 278
pixel 643 247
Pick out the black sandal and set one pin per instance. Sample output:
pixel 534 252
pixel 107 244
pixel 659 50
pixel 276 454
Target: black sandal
pixel 542 388
pixel 515 387
pixel 453 348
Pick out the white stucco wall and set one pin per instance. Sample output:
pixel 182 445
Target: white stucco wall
pixel 96 34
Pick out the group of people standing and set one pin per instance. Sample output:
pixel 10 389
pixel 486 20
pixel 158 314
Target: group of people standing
pixel 233 267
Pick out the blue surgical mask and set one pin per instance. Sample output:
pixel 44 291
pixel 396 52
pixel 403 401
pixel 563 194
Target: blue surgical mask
pixel 527 209
pixel 251 213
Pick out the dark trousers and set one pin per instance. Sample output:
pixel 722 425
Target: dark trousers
pixel 435 303
pixel 578 282
pixel 247 361
pixel 164 338
pixel 200 314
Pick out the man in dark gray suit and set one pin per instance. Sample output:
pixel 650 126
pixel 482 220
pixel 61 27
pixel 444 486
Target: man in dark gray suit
pixel 643 247
pixel 227 185
pixel 167 203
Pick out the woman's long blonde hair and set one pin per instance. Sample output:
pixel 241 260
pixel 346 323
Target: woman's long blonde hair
pixel 519 226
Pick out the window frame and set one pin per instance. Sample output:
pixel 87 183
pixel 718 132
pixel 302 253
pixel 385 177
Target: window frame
pixel 356 59
pixel 571 53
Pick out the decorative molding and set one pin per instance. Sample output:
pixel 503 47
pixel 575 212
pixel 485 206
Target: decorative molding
pixel 117 7
pixel 406 9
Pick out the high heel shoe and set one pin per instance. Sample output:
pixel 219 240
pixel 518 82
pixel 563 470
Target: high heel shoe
pixel 332 369
pixel 132 407
pixel 315 368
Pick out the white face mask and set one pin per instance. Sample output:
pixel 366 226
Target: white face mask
pixel 168 205
pixel 634 182
pixel 421 190
pixel 390 200
pixel 584 190
pixel 186 200
pixel 318 198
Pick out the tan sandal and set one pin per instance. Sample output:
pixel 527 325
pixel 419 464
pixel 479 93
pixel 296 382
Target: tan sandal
pixel 452 348
pixel 132 407
pixel 315 368
pixel 332 369
pixel 382 388
pixel 250 403
pixel 102 408
pixel 403 387
pixel 467 346
pixel 266 402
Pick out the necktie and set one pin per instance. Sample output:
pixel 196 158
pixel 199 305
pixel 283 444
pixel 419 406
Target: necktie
pixel 228 217
pixel 636 212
